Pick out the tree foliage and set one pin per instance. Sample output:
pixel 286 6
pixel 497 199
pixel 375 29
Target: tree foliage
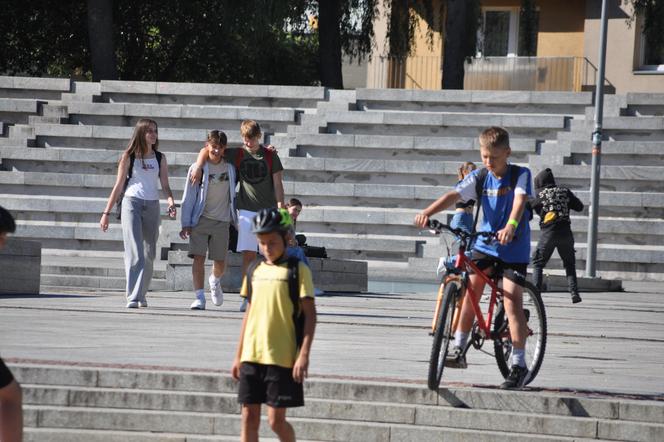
pixel 43 37
pixel 405 18
pixel 230 41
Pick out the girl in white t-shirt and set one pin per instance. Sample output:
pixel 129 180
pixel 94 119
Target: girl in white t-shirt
pixel 140 207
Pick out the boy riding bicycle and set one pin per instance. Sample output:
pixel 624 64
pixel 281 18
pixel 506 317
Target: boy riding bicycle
pixel 503 210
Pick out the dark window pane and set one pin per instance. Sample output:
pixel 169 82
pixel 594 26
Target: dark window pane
pixel 496 33
pixel 528 29
pixel 652 54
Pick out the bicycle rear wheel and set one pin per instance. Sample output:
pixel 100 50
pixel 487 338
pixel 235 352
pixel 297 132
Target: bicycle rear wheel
pixel 536 341
pixel 442 335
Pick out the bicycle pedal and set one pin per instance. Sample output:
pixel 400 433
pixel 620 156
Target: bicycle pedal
pixel 456 364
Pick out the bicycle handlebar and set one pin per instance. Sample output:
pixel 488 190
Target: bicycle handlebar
pixel 438 227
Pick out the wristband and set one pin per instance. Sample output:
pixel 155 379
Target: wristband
pixel 106 213
pixel 514 223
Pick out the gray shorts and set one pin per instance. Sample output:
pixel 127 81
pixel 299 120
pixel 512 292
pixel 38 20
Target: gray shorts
pixel 209 236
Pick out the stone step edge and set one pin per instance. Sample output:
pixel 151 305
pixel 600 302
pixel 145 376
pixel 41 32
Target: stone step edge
pixel 602 404
pixel 304 421
pixel 308 400
pixel 54 434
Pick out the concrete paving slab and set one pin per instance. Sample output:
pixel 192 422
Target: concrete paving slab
pixel 593 346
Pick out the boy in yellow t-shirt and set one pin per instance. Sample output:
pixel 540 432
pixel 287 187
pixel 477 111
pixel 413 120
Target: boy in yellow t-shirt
pixel 268 364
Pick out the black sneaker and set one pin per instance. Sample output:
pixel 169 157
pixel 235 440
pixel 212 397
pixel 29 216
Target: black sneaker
pixel 576 298
pixel 516 378
pixel 455 358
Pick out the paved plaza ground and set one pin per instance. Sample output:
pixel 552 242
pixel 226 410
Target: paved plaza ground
pixel 612 342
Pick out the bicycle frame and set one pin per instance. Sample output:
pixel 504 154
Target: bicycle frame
pixel 463 263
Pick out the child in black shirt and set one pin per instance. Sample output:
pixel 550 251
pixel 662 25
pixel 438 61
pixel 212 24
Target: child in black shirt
pixel 553 203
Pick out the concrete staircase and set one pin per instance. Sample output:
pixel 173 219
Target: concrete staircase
pixel 74 403
pixel 363 162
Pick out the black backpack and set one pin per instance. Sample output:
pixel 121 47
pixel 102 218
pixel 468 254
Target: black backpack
pixel 293 289
pixel 479 190
pixel 130 172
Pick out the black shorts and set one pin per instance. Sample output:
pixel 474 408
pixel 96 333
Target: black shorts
pixel 269 384
pixel 6 376
pixel 515 272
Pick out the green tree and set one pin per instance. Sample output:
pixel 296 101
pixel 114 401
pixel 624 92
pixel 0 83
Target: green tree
pixel 43 38
pixel 253 41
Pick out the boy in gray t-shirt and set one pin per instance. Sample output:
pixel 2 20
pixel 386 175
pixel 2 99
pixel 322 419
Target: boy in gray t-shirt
pixel 207 211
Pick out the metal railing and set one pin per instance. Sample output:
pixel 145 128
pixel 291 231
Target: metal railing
pixel 487 73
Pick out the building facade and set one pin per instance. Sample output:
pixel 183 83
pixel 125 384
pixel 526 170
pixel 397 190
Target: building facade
pixel 560 53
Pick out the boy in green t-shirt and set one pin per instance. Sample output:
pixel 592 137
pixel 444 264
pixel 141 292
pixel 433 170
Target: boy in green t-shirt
pixel 268 364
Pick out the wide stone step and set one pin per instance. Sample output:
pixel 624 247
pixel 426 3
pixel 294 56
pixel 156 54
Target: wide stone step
pixel 316 409
pixel 613 178
pixel 97 399
pixel 159 111
pixel 96 282
pixel 464 398
pixel 225 424
pixel 481 101
pixel 115 137
pixel 392 146
pixel 204 93
pixel 33 87
pixel 73 435
pixel 437 123
pixel 17 110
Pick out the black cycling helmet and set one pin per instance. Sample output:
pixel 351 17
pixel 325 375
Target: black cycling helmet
pixel 272 220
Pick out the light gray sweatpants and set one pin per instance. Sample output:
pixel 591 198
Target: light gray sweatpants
pixel 140 230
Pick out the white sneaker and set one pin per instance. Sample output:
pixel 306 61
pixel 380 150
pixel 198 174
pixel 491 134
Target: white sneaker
pixel 216 293
pixel 142 303
pixel 132 304
pixel 198 304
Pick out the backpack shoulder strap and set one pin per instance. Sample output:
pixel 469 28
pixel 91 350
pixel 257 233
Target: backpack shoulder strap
pixel 159 156
pixel 294 284
pixel 514 175
pixel 479 190
pixel 130 171
pixel 250 274
pixel 268 158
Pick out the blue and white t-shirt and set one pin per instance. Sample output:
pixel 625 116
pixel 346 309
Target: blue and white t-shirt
pixel 497 200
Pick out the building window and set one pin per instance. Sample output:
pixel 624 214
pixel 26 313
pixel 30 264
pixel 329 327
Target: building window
pixel 652 57
pixel 499 32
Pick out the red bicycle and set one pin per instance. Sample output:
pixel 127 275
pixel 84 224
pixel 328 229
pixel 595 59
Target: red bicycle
pixel 450 295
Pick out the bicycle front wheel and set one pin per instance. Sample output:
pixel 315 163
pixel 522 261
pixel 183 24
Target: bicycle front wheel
pixel 442 335
pixel 533 307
